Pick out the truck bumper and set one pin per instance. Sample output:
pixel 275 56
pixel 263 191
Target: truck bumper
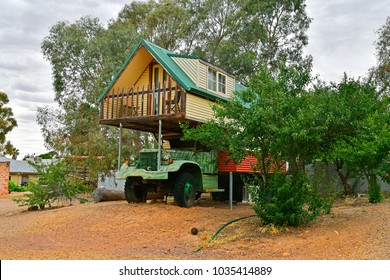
pixel 126 172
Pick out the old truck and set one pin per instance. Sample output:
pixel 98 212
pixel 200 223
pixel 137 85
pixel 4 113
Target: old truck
pixel 185 174
pixel 156 91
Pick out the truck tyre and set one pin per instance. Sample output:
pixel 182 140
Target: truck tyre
pixel 184 190
pixel 134 193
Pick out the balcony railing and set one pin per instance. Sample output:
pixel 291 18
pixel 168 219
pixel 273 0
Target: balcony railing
pixel 143 102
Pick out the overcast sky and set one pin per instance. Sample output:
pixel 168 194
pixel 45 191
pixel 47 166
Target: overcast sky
pixel 341 39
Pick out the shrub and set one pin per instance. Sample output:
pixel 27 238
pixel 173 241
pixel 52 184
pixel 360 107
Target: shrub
pixel 13 187
pixel 374 191
pixel 40 196
pixel 322 194
pixel 287 200
pixel 54 183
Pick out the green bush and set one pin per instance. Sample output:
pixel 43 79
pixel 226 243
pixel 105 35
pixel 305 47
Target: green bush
pixel 40 196
pixel 54 183
pixel 374 192
pixel 13 187
pixel 322 194
pixel 287 200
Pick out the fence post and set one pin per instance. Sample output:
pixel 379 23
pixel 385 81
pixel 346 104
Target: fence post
pixel 159 145
pixel 120 147
pixel 231 190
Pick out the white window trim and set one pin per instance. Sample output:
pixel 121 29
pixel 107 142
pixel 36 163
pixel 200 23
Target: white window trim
pixel 218 74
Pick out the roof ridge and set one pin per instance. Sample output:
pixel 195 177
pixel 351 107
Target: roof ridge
pixel 184 55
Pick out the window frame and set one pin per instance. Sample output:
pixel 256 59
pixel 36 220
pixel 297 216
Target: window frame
pixel 223 85
pixel 212 79
pixel 216 81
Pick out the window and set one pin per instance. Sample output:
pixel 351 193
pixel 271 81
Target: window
pixel 221 83
pixel 156 77
pixel 160 77
pixel 212 80
pixel 165 78
pixel 215 79
pixel 24 180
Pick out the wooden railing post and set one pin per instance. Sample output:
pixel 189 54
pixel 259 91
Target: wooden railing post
pixel 122 114
pixel 107 105
pixel 132 104
pixel 127 103
pixel 176 100
pixel 101 109
pixel 112 104
pixel 163 99
pixel 117 104
pixel 137 107
pixel 183 100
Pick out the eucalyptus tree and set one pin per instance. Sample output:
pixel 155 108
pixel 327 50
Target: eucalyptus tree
pixel 84 56
pixel 241 35
pixel 236 35
pixel 381 71
pixel 7 124
pixel 164 23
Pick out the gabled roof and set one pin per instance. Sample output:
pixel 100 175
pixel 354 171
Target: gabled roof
pixel 19 166
pixel 164 57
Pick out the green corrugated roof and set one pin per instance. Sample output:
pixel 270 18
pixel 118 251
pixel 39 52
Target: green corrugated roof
pixel 163 56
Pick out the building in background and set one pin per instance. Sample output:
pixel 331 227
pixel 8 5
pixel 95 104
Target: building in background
pixel 18 171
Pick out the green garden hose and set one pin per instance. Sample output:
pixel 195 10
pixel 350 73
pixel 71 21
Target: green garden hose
pixel 222 227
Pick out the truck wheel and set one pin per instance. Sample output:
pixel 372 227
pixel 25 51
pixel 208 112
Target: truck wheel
pixel 184 190
pixel 134 193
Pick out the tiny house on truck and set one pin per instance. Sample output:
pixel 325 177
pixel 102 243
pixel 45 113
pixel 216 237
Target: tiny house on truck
pixel 155 91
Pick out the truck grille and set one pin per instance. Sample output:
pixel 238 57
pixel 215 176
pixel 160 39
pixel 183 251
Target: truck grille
pixel 148 160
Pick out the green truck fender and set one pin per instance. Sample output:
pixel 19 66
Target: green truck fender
pixel 177 165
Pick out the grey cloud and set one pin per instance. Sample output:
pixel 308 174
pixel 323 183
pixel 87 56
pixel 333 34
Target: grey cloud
pixel 25 118
pixel 27 86
pixel 31 99
pixel 342 34
pixel 25 75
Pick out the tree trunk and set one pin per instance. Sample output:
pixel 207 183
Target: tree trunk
pixel 344 178
pixel 344 181
pixel 374 189
pixel 108 194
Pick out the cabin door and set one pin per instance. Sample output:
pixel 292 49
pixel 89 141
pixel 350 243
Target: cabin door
pixel 156 88
pixel 160 81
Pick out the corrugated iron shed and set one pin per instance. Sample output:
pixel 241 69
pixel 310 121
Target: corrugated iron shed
pixel 245 166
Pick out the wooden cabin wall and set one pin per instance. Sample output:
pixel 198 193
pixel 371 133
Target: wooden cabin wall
pixel 107 107
pixel 143 80
pixel 189 66
pixel 229 86
pixel 202 77
pixel 129 76
pixel 202 80
pixel 199 108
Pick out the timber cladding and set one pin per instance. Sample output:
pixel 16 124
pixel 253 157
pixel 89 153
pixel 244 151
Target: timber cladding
pixel 4 177
pixel 191 68
pixel 199 108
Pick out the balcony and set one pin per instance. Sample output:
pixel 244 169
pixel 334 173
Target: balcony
pixel 142 108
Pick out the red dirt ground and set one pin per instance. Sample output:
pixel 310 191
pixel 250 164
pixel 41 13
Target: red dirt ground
pixel 354 230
